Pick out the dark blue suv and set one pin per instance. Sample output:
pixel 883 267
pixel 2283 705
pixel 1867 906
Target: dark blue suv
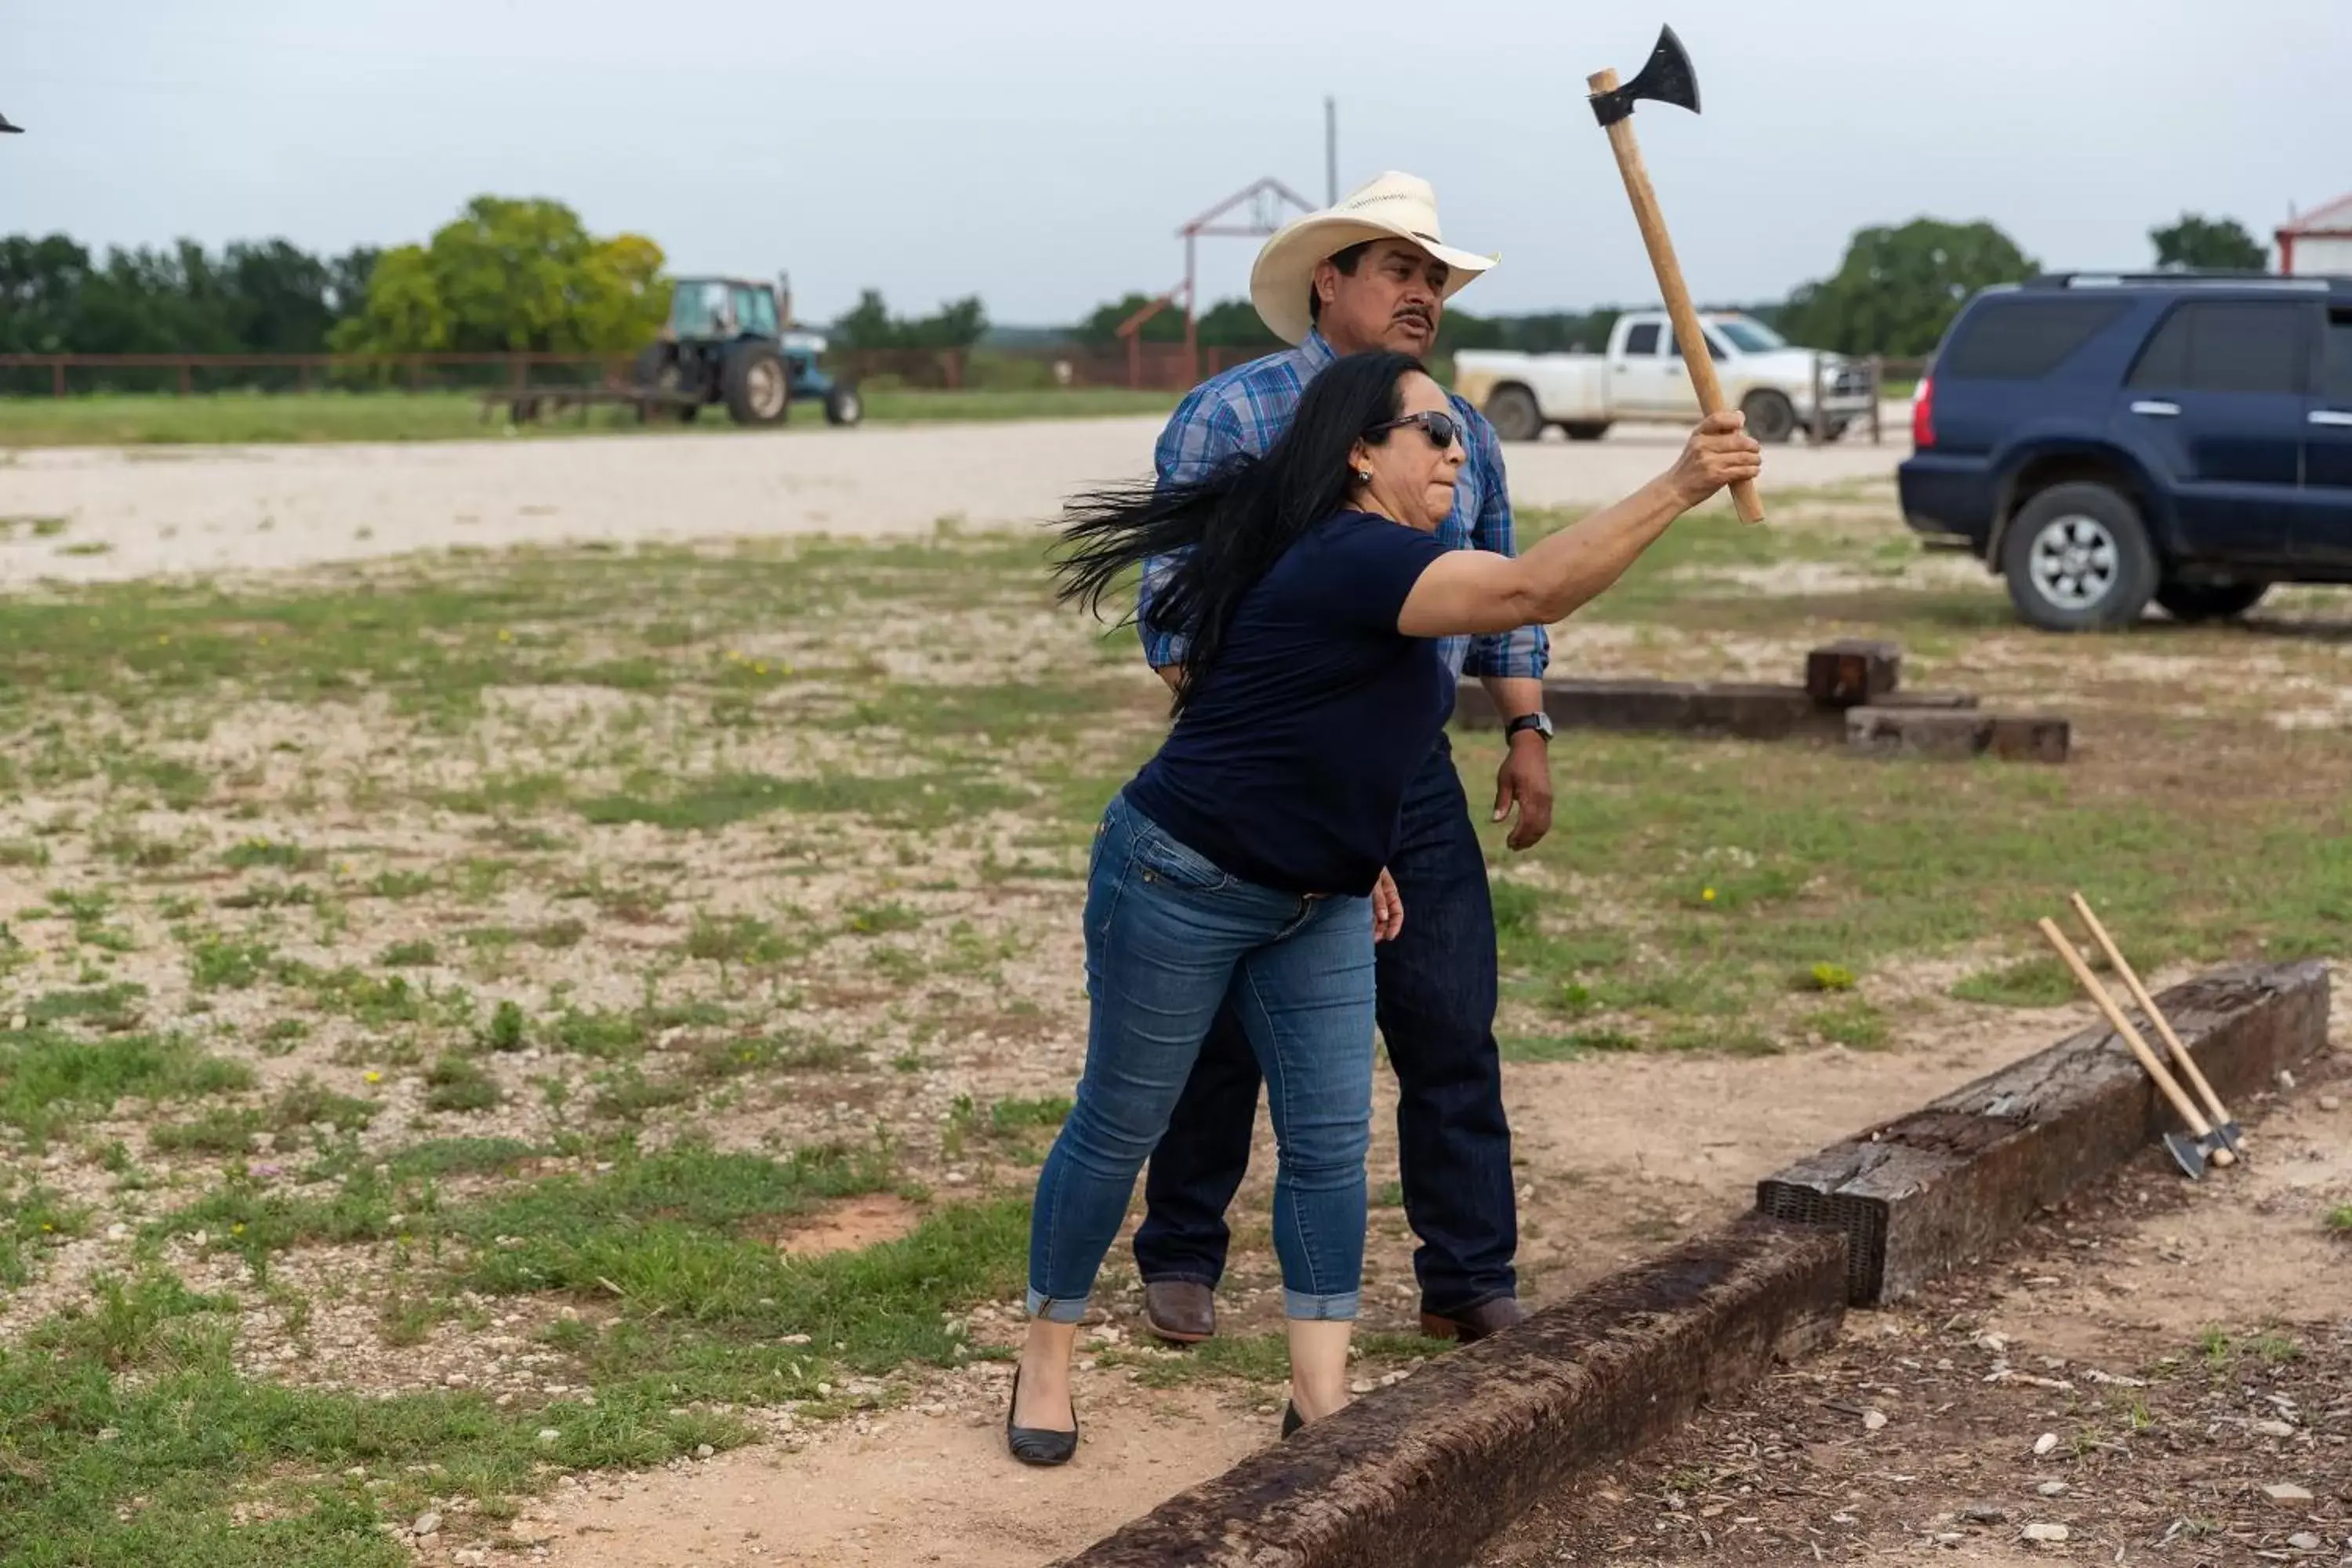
pixel 2100 441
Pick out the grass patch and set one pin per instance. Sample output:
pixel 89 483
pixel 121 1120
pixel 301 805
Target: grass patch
pixel 1854 1023
pixel 1019 1115
pixel 32 1219
pixel 627 1094
pixel 49 1080
pixel 709 804
pixel 738 939
pixel 219 963
pixel 1573 1046
pixel 252 854
pixel 254 418
pixel 110 1009
pixel 874 920
pixel 2030 982
pixel 459 1083
pixel 458 1157
pixel 2339 1219
pixel 229 1129
pixel 151 1469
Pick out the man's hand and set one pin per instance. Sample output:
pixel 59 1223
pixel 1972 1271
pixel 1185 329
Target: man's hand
pixel 1388 909
pixel 1524 781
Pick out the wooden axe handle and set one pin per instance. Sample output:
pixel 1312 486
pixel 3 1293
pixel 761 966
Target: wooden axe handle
pixel 2131 1036
pixel 2155 1014
pixel 1688 338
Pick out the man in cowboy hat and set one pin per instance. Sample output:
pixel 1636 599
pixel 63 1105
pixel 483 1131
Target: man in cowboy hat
pixel 1372 272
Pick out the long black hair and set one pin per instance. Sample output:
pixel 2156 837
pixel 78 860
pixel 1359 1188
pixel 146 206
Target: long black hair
pixel 1229 526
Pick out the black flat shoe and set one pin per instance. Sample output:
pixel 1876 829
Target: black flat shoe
pixel 1036 1445
pixel 1290 1419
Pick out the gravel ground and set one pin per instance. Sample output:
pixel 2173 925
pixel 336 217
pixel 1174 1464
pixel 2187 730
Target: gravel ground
pixel 2155 1372
pixel 165 511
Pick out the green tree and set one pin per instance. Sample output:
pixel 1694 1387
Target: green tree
pixel 1898 289
pixel 958 324
pixel 511 276
pixel 2201 244
pixel 1228 324
pixel 869 325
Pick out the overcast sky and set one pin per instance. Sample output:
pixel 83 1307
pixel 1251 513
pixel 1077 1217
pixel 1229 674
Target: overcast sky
pixel 1042 153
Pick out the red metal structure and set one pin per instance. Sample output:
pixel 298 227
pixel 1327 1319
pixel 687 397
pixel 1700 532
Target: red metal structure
pixel 1266 199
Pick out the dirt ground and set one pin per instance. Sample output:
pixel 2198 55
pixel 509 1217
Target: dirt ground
pixel 150 510
pixel 731 868
pixel 1589 1135
pixel 2155 1372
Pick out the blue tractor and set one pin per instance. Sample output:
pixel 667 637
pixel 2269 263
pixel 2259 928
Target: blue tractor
pixel 728 341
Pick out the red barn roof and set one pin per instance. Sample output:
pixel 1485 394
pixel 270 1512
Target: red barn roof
pixel 2335 218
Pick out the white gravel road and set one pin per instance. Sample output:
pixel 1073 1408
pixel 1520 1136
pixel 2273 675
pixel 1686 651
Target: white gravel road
pixel 171 512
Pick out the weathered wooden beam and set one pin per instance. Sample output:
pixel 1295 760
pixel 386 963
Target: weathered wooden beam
pixel 1752 711
pixel 1903 731
pixel 1929 1191
pixel 1417 1475
pixel 1925 700
pixel 1853 671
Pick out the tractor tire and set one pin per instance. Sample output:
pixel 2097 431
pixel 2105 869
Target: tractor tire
pixel 758 388
pixel 1772 418
pixel 657 370
pixel 844 406
pixel 1513 412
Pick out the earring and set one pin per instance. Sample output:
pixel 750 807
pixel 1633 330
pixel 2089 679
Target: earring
pixel 1363 476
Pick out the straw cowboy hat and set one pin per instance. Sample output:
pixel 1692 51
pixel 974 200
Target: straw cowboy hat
pixel 1391 206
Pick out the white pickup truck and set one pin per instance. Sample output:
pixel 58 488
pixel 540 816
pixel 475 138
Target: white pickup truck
pixel 1641 376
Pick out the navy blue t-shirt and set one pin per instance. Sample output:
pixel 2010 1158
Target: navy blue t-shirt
pixel 1289 763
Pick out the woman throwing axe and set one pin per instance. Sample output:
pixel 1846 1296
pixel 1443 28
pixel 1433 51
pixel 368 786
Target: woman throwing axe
pixel 1245 856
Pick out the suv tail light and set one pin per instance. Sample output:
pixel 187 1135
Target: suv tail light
pixel 1923 413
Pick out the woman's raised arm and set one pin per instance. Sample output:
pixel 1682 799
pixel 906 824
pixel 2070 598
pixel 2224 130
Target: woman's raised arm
pixel 1473 590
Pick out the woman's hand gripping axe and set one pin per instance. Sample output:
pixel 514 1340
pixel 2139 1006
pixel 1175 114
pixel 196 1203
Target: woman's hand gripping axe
pixel 1668 77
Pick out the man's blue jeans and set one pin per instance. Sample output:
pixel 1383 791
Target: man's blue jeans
pixel 1172 941
pixel 1436 987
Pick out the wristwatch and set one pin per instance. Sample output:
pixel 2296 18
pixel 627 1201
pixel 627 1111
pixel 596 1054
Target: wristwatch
pixel 1540 722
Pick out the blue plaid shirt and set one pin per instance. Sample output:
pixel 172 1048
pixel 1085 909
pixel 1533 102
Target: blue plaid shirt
pixel 1245 409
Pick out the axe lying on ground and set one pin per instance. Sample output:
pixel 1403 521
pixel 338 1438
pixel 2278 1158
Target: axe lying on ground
pixel 2189 1153
pixel 2224 1124
pixel 1668 78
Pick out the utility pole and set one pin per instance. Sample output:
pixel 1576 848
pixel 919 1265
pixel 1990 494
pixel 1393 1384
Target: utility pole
pixel 1330 150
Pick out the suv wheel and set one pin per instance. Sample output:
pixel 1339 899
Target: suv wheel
pixel 2210 601
pixel 2077 559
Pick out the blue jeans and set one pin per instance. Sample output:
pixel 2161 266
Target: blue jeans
pixel 1436 988
pixel 1172 941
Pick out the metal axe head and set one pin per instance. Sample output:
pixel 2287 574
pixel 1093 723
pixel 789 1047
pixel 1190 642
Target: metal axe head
pixel 1667 77
pixel 2190 1153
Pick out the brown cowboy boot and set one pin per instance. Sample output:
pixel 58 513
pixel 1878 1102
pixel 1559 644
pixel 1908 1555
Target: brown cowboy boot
pixel 1180 1312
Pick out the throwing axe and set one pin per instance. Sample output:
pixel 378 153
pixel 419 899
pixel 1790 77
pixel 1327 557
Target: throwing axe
pixel 2190 1152
pixel 1668 78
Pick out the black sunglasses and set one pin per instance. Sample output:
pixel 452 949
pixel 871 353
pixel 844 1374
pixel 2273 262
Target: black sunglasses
pixel 1442 429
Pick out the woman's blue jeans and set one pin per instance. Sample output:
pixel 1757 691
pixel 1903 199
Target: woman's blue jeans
pixel 1168 937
